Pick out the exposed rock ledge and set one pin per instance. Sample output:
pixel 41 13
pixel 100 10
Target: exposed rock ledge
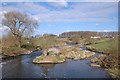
pixel 48 59
pixel 95 65
pixel 58 55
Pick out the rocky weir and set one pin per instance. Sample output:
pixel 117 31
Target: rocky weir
pixel 61 53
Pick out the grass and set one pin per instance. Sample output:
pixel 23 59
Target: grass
pixel 51 59
pixel 46 43
pixel 32 44
pixel 59 58
pixel 111 61
pixel 11 50
pixel 106 45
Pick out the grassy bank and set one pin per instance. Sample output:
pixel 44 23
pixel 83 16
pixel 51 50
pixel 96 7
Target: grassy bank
pixel 105 45
pixel 109 48
pixel 11 48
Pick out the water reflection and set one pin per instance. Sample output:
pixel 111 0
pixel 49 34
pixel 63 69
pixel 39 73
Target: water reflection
pixel 46 67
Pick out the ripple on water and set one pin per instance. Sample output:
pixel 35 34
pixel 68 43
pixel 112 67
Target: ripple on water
pixel 22 66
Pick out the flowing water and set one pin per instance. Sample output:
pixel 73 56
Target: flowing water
pixel 22 67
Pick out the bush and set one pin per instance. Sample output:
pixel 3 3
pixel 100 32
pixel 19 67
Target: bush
pixel 75 39
pixel 27 46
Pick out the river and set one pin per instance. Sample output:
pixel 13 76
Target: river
pixel 22 67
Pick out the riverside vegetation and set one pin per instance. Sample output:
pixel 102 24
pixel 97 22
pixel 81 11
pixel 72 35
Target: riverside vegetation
pixel 109 58
pixel 19 41
pixel 10 45
pixel 55 50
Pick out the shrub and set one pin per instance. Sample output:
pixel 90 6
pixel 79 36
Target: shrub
pixel 27 46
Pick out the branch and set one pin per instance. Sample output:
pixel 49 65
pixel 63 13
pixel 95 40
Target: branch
pixel 23 30
pixel 20 24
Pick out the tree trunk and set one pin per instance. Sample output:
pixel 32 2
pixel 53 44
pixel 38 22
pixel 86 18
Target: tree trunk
pixel 20 42
pixel 19 38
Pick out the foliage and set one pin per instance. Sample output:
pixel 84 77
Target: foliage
pixel 27 46
pixel 75 39
pixel 11 50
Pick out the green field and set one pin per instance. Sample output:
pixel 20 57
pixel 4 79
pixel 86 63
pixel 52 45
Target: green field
pixel 46 43
pixel 106 45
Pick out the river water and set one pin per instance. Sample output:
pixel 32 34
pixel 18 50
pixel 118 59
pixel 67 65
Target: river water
pixel 22 67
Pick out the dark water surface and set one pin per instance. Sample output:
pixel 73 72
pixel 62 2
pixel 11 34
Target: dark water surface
pixel 22 67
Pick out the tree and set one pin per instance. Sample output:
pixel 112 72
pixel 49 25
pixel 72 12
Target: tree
pixel 19 23
pixel 75 39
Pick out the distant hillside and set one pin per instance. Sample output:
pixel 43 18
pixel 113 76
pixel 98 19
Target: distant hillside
pixel 89 33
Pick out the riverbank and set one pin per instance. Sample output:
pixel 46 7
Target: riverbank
pixel 103 61
pixel 11 49
pixel 109 57
pixel 16 53
pixel 59 54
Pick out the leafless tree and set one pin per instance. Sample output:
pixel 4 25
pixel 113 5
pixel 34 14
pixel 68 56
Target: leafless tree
pixel 19 23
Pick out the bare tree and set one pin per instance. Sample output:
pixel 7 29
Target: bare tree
pixel 19 23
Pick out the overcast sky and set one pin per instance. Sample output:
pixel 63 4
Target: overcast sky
pixel 58 17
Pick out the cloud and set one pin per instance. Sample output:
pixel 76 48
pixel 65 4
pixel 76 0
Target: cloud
pixel 3 28
pixel 79 12
pixel 60 0
pixel 58 3
pixel 2 15
pixel 34 7
pixel 4 3
pixel 97 0
pixel 50 25
pixel 97 9
pixel 96 24
pixel 28 7
pixel 106 30
pixel 36 30
pixel 67 30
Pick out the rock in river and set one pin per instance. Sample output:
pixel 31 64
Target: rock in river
pixel 49 59
pixel 95 65
pixel 55 55
pixel 95 59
